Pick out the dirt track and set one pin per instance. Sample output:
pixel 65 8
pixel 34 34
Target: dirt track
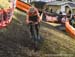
pixel 16 42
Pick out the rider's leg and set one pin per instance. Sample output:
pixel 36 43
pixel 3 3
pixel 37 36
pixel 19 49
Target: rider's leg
pixel 31 29
pixel 37 29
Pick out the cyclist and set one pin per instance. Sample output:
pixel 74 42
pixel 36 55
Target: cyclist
pixel 33 17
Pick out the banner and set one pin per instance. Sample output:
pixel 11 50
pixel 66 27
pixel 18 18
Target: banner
pixel 9 13
pixel 50 18
pixel 6 14
pixel 1 15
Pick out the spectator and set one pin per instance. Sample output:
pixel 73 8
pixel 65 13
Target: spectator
pixel 73 21
pixel 64 18
pixel 60 17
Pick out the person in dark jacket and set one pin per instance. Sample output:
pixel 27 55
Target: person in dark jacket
pixel 73 21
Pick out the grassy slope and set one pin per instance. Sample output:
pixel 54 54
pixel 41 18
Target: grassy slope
pixel 4 4
pixel 15 41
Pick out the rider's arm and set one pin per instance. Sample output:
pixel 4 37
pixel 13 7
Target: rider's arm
pixel 27 19
pixel 39 17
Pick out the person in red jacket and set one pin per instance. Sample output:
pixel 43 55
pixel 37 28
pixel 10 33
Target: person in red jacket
pixel 33 19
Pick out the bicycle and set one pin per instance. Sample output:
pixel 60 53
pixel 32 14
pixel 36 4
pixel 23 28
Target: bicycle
pixel 34 35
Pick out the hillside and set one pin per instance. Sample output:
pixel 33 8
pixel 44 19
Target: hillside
pixel 15 40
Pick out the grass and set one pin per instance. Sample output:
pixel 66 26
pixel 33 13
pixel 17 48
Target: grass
pixel 55 43
pixel 4 4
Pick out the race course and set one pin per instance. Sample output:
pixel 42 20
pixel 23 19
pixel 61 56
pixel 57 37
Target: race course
pixel 15 40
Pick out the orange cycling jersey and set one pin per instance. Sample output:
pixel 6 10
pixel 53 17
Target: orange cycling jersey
pixel 33 16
